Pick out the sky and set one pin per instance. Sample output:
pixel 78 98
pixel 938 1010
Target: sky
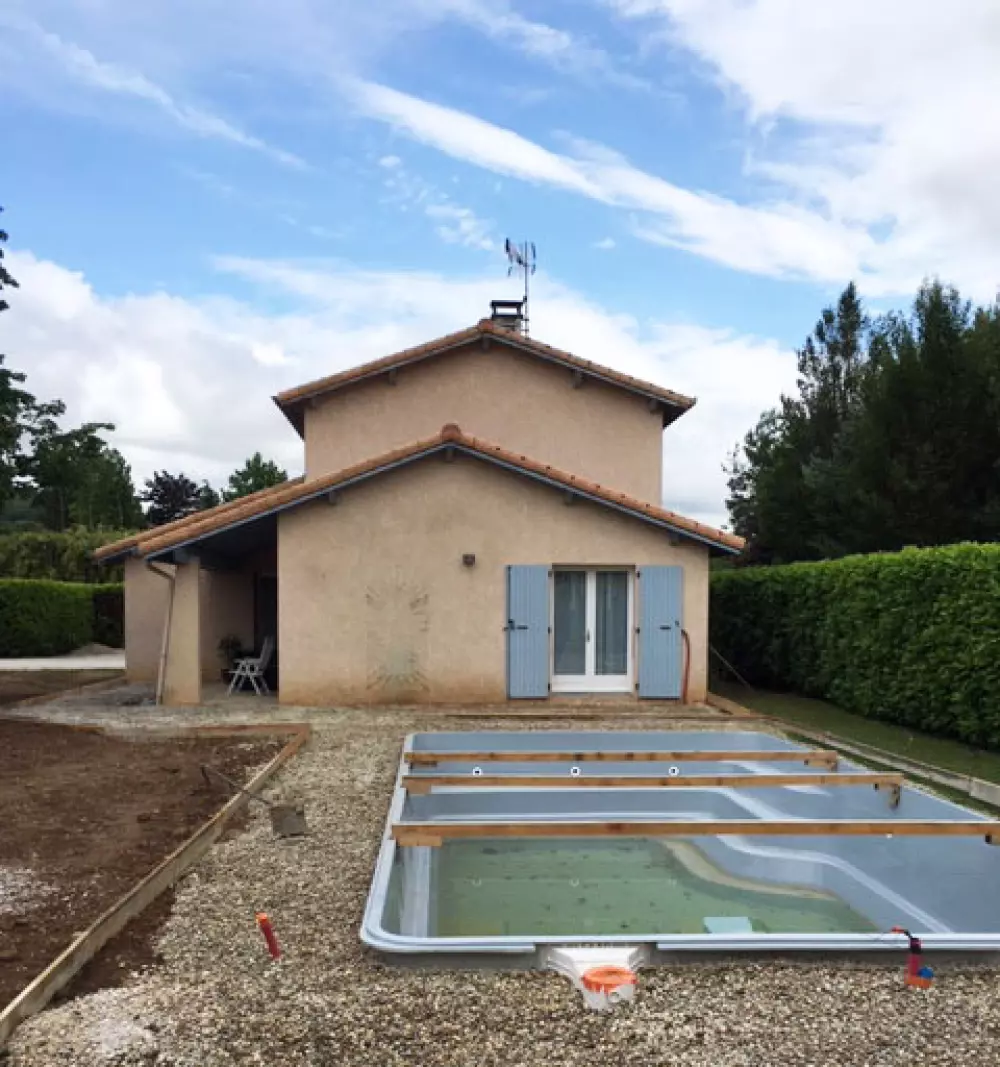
pixel 209 202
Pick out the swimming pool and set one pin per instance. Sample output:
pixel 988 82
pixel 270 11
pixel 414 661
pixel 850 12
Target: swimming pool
pixel 499 844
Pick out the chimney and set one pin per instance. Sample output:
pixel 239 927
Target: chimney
pixel 508 313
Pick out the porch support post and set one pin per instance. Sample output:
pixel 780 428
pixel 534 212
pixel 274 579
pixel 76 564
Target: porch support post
pixel 182 683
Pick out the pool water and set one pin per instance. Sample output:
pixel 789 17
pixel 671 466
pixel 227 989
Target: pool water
pixel 621 886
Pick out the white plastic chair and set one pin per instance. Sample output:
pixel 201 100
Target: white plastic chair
pixel 251 669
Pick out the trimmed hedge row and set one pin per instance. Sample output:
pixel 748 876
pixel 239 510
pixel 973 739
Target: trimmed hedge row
pixel 911 637
pixel 43 618
pixel 62 557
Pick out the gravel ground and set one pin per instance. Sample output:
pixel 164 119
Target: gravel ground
pixel 19 888
pixel 218 1000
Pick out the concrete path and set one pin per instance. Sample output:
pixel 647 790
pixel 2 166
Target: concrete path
pixel 106 661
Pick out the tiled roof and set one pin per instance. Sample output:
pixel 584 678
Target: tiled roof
pixel 215 520
pixel 127 544
pixel 291 400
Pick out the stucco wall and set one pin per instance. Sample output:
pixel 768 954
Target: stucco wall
pixel 524 404
pixel 146 597
pixel 226 608
pixel 182 681
pixel 376 606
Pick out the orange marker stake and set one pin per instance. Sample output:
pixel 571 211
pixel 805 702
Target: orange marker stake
pixel 265 928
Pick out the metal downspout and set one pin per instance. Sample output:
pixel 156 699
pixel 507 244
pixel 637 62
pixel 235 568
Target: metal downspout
pixel 165 641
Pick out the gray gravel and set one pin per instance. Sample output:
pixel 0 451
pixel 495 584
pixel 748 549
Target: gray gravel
pixel 217 999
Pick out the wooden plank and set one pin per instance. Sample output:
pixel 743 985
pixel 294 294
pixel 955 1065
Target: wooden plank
pixel 40 990
pixel 426 833
pixel 816 756
pixel 423 783
pixel 625 714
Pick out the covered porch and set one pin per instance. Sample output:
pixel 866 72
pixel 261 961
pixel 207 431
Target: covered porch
pixel 189 608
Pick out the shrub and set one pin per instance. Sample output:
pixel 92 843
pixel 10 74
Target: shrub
pixel 45 618
pixel 911 637
pixel 62 557
pixel 109 615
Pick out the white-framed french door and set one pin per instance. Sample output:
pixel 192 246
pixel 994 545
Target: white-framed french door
pixel 592 611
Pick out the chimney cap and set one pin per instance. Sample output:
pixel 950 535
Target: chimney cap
pixel 507 313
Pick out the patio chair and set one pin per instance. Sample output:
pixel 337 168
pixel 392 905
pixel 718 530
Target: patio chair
pixel 251 669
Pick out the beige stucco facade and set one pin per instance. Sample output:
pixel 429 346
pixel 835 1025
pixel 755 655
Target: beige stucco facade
pixel 182 676
pixel 226 607
pixel 545 411
pixel 146 597
pixel 376 606
pixel 365 569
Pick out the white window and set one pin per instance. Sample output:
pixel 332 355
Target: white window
pixel 591 630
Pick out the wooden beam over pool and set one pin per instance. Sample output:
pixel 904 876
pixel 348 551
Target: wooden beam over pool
pixel 812 757
pixel 436 833
pixel 423 783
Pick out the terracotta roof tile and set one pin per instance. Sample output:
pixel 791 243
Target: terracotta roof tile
pixel 206 523
pixel 290 400
pixel 125 544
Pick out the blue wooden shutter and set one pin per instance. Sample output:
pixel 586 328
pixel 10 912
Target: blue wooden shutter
pixel 660 623
pixel 527 632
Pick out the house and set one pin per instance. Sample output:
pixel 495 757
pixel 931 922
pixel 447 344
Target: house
pixel 478 520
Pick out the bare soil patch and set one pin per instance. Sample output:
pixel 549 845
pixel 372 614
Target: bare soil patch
pixel 87 816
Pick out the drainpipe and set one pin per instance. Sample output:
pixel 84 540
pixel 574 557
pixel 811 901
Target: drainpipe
pixel 165 641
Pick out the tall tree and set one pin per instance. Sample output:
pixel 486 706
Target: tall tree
pixel 782 484
pixel 104 495
pixel 16 404
pixel 59 476
pixel 256 474
pixel 893 438
pixel 174 496
pixel 58 460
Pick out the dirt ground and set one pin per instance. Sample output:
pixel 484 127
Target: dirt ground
pixel 85 817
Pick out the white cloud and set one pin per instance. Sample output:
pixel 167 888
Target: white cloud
pixel 783 240
pixel 453 223
pixel 466 137
pixel 188 382
pixel 389 162
pixel 874 114
pixel 81 67
pixel 605 244
pixel 562 49
pixel 461 225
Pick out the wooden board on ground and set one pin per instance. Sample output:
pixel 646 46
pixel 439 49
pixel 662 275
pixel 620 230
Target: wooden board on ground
pixel 811 757
pixel 435 833
pixel 40 991
pixel 423 783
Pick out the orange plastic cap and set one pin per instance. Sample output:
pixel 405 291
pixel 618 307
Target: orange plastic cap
pixel 607 979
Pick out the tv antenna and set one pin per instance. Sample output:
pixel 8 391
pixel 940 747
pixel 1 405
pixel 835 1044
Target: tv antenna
pixel 521 258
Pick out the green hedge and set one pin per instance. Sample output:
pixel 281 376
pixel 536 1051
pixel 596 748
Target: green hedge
pixel 43 618
pixel 911 637
pixel 62 557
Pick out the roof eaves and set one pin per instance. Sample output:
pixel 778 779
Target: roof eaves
pixel 304 493
pixel 290 401
pixel 449 437
pixel 371 369
pixel 711 538
pixel 662 517
pixel 596 370
pixel 116 549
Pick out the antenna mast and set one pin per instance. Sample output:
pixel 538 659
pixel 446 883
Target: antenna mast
pixel 521 258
